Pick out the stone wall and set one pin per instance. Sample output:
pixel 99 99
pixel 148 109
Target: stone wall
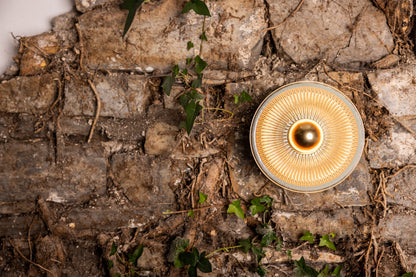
pixel 67 196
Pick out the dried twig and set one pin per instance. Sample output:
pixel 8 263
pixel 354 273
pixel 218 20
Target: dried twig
pixel 286 19
pixel 97 112
pixel 400 170
pixel 29 261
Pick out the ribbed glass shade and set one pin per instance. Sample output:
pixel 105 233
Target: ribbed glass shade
pixel 307 136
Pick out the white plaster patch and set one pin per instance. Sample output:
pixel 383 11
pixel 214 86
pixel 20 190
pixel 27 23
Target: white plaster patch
pixel 54 197
pixel 133 224
pixel 285 214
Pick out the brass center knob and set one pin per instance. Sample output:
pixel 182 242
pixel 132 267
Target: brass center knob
pixel 305 136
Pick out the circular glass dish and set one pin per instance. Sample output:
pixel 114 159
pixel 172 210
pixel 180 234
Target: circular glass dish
pixel 307 137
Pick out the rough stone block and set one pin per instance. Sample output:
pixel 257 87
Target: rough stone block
pixel 89 222
pixel 86 5
pixel 399 228
pixel 293 225
pixel 350 32
pixel 272 257
pixel 234 40
pixel 34 52
pixel 28 94
pixel 18 226
pixel 393 150
pixel 144 180
pixel 28 171
pixel 246 177
pixel 64 27
pixel 25 170
pixel 84 175
pixel 160 138
pixel 401 189
pixel 6 126
pixel 121 96
pixel 395 88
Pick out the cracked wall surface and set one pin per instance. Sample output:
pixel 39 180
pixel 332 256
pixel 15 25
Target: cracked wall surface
pixel 67 199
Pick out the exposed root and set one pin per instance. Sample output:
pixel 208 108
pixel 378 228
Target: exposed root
pixel 97 111
pixel 400 170
pixel 402 257
pixel 379 260
pixel 382 192
pixel 367 265
pixel 30 261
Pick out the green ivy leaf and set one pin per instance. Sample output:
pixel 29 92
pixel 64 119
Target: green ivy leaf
pixel 131 6
pixel 289 254
pixel 192 271
pixel 110 265
pixel 198 6
pixel 179 246
pixel 308 237
pixel 245 97
pixel 267 239
pixel 188 60
pixel 189 45
pixel 302 269
pixel 167 84
pixel 265 198
pixel 203 36
pixel 279 245
pixel 408 274
pixel 113 249
pixel 258 252
pixel 236 208
pixel 337 272
pixel 202 197
pixel 188 258
pixel 326 242
pixel 256 206
pixel 170 80
pixel 117 275
pixel 203 264
pixel 184 72
pixel 246 244
pixel 200 64
pixel 191 213
pixel 136 254
pixel 190 103
pixel 197 83
pixel 236 99
pixel 324 272
pixel 261 271
pixel 175 70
